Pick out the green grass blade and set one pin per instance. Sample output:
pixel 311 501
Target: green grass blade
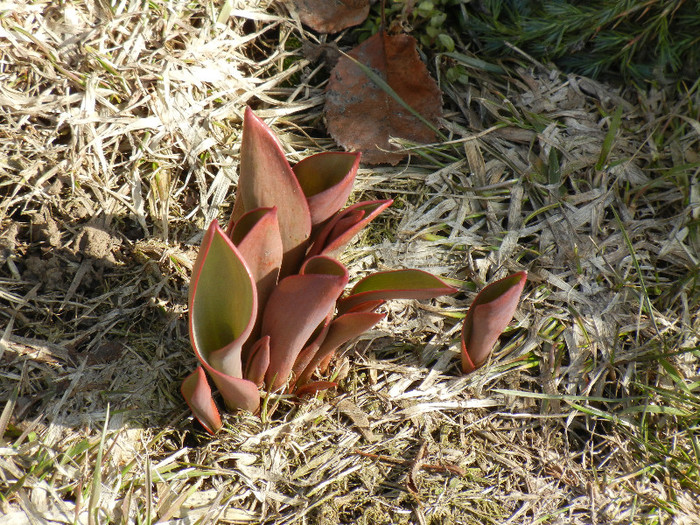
pixel 476 63
pixel 646 302
pixel 96 489
pixel 609 138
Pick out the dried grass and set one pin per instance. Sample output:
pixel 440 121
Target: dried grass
pixel 119 134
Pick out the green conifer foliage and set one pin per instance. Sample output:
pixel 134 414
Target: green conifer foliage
pixel 643 40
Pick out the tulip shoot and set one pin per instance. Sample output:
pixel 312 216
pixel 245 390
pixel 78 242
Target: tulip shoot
pixel 267 301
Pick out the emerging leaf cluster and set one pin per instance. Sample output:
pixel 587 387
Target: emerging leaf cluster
pixel 267 306
pixel 267 301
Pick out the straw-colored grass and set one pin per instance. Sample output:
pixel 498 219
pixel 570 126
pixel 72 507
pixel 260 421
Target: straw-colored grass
pixel 119 135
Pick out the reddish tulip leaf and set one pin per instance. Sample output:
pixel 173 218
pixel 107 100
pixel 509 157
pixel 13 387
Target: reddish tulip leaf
pixel 344 220
pixel 348 326
pixel 222 307
pixel 363 115
pixel 313 388
pixel 395 284
pixel 258 361
pixel 324 265
pixel 312 346
pixel 267 180
pixel 257 236
pixel 303 360
pixel 341 330
pixel 222 303
pixel 345 225
pixel 327 179
pixel 369 306
pixel 488 316
pixel 197 393
pixel 238 393
pixel 331 16
pixel 311 349
pixel 296 307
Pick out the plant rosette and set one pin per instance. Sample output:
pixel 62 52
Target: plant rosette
pixel 268 306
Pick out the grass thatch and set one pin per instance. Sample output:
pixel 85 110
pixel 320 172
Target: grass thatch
pixel 119 140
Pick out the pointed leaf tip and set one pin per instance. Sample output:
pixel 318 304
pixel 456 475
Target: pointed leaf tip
pixel 327 179
pixel 223 302
pixel 197 393
pixel 395 284
pixel 267 180
pixel 490 313
pixel 341 228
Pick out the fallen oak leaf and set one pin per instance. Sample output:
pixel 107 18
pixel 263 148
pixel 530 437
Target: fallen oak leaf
pixel 374 94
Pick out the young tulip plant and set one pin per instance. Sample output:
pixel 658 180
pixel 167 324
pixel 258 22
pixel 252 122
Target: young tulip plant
pixel 266 303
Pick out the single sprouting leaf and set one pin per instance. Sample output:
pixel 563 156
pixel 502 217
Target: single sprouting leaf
pixel 197 393
pixel 331 16
pixel 345 225
pixel 267 180
pixel 488 316
pixel 258 361
pixel 327 180
pixel 223 300
pixel 395 284
pixel 257 236
pixel 222 309
pixel 365 106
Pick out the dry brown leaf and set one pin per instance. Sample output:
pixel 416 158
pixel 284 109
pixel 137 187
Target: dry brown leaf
pixel 361 116
pixel 331 16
